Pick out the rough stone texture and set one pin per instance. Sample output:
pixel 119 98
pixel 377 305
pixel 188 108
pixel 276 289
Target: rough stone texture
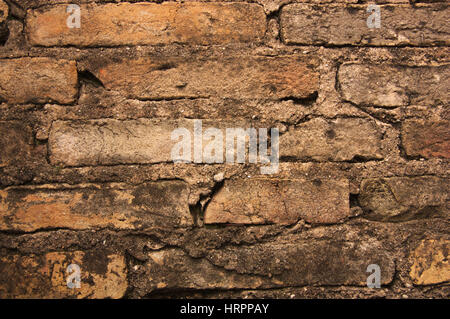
pixel 148 23
pixel 402 198
pixel 16 141
pixel 103 275
pixel 259 201
pixel 430 262
pixel 426 138
pixel 420 25
pixel 4 11
pixel 266 266
pixel 91 206
pixel 242 76
pixel 86 175
pixel 336 140
pixel 109 142
pixel 38 80
pixel 393 86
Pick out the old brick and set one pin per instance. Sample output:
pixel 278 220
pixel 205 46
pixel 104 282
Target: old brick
pixel 393 86
pixel 148 23
pixel 303 262
pixel 4 11
pixel 38 80
pixel 260 201
pixel 110 142
pixel 344 25
pixel 16 140
pixel 282 264
pixel 341 139
pixel 402 198
pixel 116 206
pixel 426 138
pixel 240 76
pixel 271 6
pixel 103 275
pixel 142 141
pixel 430 262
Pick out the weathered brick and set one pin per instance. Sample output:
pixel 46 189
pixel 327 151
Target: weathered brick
pixel 420 25
pixel 271 6
pixel 143 141
pixel 105 142
pixel 148 23
pixel 239 76
pixel 403 198
pixel 392 86
pixel 38 80
pixel 283 264
pixel 116 206
pixel 342 139
pixel 103 275
pixel 4 11
pixel 262 201
pixel 16 141
pixel 426 138
pixel 430 262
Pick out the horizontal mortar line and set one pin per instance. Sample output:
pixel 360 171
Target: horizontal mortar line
pixel 339 46
pixel 168 99
pixel 164 119
pixel 218 165
pixel 236 45
pixel 251 46
pixel 118 231
pixel 87 185
pixel 128 2
pixel 48 230
pixel 206 290
pixel 66 186
pixel 246 165
pixel 324 4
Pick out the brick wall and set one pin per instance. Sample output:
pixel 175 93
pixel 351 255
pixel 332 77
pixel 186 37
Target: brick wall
pixel 87 177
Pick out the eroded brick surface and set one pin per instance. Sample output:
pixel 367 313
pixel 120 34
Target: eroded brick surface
pixel 393 86
pixel 430 262
pixel 347 25
pixel 141 141
pixel 335 140
pixel 426 138
pixel 241 76
pixel 4 11
pixel 38 80
pixel 81 207
pixel 260 201
pixel 148 23
pixel 111 142
pixel 266 266
pixel 405 197
pixel 87 175
pixel 16 141
pixel 103 275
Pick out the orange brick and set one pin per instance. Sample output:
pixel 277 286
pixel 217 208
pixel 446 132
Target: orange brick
pixel 148 23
